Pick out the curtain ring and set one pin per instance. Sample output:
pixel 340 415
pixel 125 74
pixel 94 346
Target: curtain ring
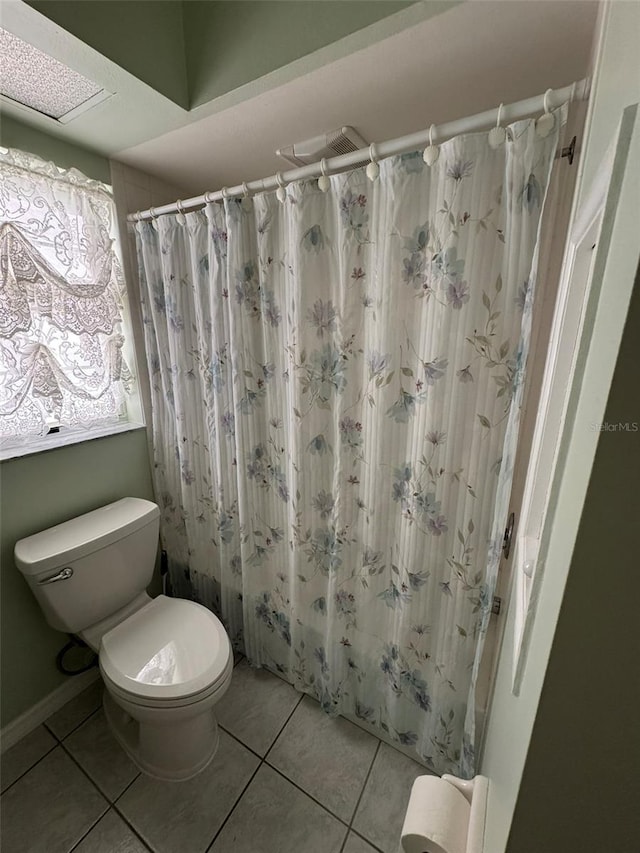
pixel 373 170
pixel 154 217
pixel 281 192
pixel 545 123
pixel 497 134
pixel 323 181
pixel 225 193
pixel 206 197
pixel 432 152
pixel 245 189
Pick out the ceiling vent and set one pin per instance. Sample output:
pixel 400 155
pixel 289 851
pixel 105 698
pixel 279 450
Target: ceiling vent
pixel 333 143
pixel 36 81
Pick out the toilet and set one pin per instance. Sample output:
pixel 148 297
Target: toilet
pixel 165 662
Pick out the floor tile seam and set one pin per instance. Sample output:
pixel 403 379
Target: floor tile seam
pixel 118 810
pixel 89 831
pixel 30 768
pixel 88 775
pixel 241 742
pixel 75 728
pixel 364 785
pixel 284 725
pixel 366 840
pixel 306 793
pixel 93 826
pixel 124 791
pixel 233 807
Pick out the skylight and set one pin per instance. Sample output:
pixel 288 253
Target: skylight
pixel 36 80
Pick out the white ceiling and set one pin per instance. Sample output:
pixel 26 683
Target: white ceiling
pixel 461 62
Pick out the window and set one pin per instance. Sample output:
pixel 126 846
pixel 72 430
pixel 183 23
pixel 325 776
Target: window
pixel 64 326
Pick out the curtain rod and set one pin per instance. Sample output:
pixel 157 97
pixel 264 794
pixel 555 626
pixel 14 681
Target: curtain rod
pixel 402 145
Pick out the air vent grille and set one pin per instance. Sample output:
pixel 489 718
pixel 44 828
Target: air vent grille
pixel 333 143
pixel 38 81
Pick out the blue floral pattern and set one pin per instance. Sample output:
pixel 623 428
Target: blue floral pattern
pixel 336 385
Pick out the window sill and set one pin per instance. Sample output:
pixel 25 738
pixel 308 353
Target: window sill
pixel 63 439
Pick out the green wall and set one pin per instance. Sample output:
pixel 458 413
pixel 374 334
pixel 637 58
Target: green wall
pixel 37 492
pixel 579 787
pixel 14 134
pixel 142 36
pixel 196 50
pixel 47 488
pixel 232 43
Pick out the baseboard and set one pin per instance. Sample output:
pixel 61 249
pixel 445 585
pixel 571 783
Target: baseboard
pixel 42 710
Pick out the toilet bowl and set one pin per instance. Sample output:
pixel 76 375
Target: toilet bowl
pixel 164 668
pixel 165 662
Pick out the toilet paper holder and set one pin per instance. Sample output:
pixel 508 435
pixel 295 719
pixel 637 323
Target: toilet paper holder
pixel 470 818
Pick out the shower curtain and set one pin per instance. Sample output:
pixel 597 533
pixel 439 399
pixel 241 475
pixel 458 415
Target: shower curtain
pixel 336 384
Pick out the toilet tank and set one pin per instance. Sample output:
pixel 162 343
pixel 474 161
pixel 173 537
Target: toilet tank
pixel 86 569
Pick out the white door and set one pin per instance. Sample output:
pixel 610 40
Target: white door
pixel 590 243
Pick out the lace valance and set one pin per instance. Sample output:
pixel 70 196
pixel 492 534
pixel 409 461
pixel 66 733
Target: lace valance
pixel 61 299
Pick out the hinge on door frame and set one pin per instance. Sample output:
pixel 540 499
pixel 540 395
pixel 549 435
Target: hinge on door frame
pixel 569 151
pixel 497 605
pixel 508 535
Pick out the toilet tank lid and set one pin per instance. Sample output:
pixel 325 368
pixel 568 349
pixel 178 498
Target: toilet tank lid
pixel 82 535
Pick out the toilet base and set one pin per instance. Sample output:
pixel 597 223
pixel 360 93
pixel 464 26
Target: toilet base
pixel 164 747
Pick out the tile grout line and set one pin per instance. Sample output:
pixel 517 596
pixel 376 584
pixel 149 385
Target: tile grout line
pixel 85 773
pixel 111 803
pixel 233 808
pixel 237 740
pixel 75 728
pixel 29 769
pixel 91 828
pixel 262 761
pixel 357 805
pixel 307 794
pixel 284 725
pixel 366 840
pixel 102 796
pixel 112 807
pixel 126 820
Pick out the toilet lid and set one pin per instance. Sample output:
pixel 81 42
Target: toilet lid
pixel 170 648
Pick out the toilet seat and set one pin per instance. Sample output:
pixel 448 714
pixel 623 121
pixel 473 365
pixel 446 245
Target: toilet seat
pixel 211 692
pixel 169 653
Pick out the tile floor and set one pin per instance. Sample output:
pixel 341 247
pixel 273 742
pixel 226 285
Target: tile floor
pixel 286 779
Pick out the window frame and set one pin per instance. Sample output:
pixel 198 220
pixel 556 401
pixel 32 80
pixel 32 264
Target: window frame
pixel 60 435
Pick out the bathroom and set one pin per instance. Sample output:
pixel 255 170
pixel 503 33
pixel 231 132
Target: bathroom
pixel 187 99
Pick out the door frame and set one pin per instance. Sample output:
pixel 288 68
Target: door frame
pixel 574 314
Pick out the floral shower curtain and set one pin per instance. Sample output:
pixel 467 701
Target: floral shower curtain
pixel 336 383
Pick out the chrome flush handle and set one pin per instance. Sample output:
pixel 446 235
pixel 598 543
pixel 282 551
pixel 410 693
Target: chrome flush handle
pixel 60 576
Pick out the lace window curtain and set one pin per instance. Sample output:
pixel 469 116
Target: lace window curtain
pixel 61 300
